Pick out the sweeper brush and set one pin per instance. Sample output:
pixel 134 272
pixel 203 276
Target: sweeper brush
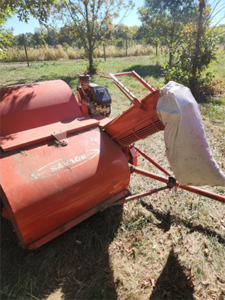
pixel 62 159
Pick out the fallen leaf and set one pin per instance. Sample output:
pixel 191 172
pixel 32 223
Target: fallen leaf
pixel 152 280
pixel 206 282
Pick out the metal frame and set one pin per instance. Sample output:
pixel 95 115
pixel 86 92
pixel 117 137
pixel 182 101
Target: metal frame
pixel 192 189
pixel 138 103
pixel 133 99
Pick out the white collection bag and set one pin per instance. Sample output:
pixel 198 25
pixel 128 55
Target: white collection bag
pixel 187 149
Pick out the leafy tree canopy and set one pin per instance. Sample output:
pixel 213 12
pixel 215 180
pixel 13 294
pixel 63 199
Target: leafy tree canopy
pixel 22 8
pixel 195 54
pixel 91 20
pixel 39 9
pixel 163 21
pixel 6 37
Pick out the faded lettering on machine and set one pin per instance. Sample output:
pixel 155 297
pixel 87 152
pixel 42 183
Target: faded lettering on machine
pixel 66 163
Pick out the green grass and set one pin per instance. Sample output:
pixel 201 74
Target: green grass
pixel 69 71
pixel 168 246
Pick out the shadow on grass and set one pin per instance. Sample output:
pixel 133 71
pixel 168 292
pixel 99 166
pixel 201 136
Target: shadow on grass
pixel 167 220
pixel 76 262
pixel 173 283
pixel 143 71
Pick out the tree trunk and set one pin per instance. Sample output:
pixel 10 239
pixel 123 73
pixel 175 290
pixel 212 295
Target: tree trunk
pixel 104 52
pixel 171 41
pixel 170 57
pixel 126 44
pixel 199 33
pixel 91 65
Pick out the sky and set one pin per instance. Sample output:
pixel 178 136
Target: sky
pixel 131 20
pixel 22 27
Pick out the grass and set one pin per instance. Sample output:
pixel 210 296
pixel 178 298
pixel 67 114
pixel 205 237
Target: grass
pixel 167 246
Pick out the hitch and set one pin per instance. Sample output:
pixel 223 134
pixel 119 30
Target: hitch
pixel 170 184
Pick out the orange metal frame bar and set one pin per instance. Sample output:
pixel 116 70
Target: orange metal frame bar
pixel 133 197
pixel 125 90
pixel 148 86
pixel 192 189
pixel 152 161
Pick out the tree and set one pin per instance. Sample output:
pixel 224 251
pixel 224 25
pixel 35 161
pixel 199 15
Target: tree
pixel 18 40
pixel 66 35
pixel 91 21
pixel 151 35
pixel 163 21
pixel 196 54
pixel 123 32
pixel 38 9
pixel 51 37
pixel 120 32
pixel 5 34
pixel 222 35
pixel 6 37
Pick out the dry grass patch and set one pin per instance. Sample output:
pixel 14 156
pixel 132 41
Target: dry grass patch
pixel 47 53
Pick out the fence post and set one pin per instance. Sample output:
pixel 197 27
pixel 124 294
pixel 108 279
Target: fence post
pixel 126 44
pixel 104 51
pixel 25 48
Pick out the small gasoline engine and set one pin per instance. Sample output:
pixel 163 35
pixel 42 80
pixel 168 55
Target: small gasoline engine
pixel 95 99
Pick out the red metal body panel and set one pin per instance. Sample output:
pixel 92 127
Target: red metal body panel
pixel 23 107
pixel 76 220
pixel 33 136
pixel 47 186
pixel 135 123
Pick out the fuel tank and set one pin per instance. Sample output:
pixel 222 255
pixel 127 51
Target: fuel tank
pixel 47 186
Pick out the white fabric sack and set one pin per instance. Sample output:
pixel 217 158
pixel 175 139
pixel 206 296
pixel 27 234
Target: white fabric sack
pixel 187 149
